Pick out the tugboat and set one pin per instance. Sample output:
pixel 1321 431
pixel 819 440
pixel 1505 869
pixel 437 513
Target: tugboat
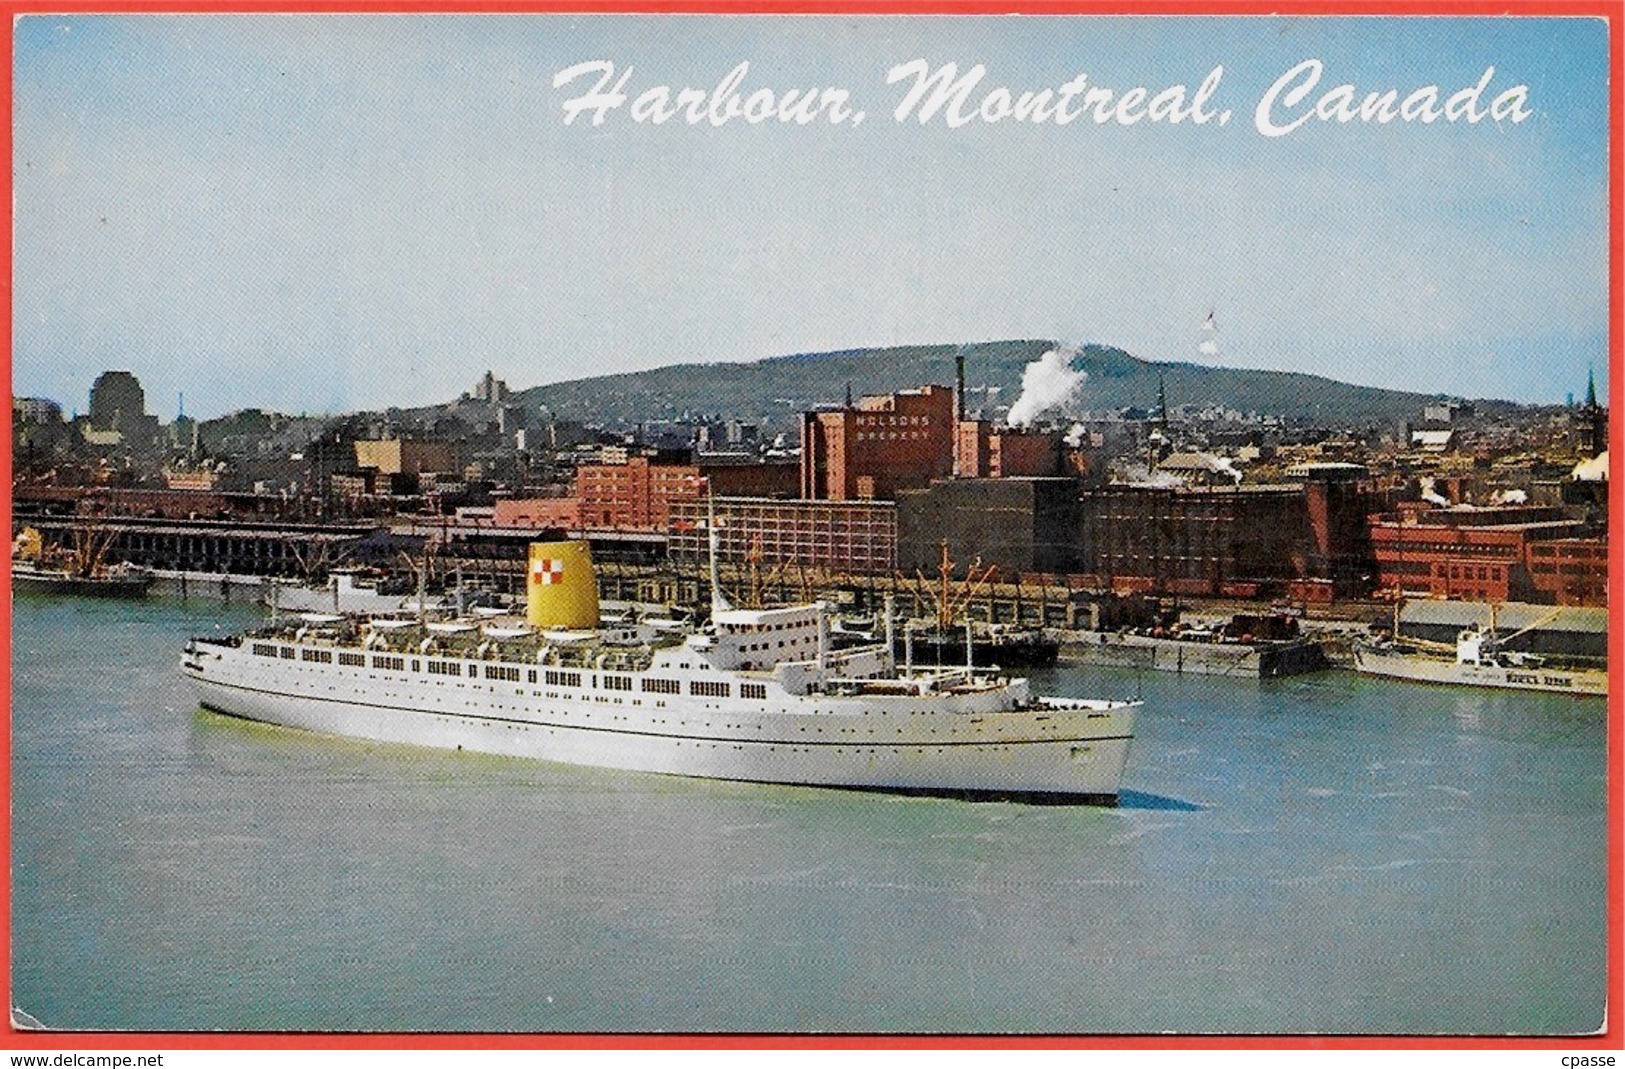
pixel 347 590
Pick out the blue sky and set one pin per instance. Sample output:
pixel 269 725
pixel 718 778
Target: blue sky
pixel 327 213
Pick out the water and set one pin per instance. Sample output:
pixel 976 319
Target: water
pixel 1329 854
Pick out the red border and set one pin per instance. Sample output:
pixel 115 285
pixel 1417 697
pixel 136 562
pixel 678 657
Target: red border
pixel 1613 11
pixel 1604 9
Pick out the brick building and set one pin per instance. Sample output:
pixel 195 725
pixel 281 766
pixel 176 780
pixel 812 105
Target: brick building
pixel 636 495
pixel 1247 541
pixel 1019 526
pixel 1570 571
pixel 900 441
pixel 1338 504
pixel 1239 541
pixel 732 477
pixel 1488 554
pixel 985 450
pixel 563 513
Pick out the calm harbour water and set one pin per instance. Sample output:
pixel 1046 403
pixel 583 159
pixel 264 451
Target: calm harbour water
pixel 1328 854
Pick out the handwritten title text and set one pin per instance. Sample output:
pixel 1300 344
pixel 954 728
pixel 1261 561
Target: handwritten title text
pixel 925 95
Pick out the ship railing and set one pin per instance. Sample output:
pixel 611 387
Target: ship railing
pixel 594 658
pixel 1045 701
pixel 957 679
pixel 976 682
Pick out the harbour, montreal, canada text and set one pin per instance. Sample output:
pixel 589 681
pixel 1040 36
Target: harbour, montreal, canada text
pixel 924 94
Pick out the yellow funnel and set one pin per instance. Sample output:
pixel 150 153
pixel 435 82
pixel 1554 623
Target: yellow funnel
pixel 560 588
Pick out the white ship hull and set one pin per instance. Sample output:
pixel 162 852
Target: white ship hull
pixel 1422 668
pixel 972 741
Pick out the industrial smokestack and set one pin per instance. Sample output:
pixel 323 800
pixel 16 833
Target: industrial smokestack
pixel 959 384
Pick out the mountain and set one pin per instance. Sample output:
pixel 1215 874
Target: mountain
pixel 776 389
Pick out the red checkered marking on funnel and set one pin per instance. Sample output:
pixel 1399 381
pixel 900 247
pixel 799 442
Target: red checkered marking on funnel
pixel 548 571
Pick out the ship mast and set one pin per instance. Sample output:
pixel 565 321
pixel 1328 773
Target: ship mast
pixel 891 635
pixel 719 602
pixel 951 598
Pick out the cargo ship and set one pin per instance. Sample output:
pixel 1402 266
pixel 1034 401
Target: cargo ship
pixel 1510 646
pixel 1249 646
pixel 998 645
pixel 114 581
pixel 80 572
pixel 1476 662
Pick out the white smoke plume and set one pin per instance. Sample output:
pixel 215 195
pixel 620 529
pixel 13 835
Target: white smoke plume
pixel 1209 345
pixel 1228 466
pixel 1594 470
pixel 1140 475
pixel 1510 497
pixel 1430 494
pixel 1048 384
pixel 1074 436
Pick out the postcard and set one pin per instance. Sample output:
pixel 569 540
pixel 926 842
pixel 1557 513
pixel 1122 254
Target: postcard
pixel 539 525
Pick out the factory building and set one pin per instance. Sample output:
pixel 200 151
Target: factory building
pixel 871 450
pixel 1018 526
pixel 1489 554
pixel 984 450
pixel 836 537
pixel 1570 571
pixel 637 493
pixel 1240 541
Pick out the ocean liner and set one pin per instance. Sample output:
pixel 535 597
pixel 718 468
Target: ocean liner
pixel 758 695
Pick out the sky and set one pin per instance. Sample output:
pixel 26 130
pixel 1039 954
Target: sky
pixel 329 213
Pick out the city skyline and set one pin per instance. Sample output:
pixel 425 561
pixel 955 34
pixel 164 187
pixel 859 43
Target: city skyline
pixel 328 214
